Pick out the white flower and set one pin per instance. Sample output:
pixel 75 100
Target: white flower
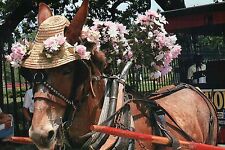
pixel 113 32
pixel 118 61
pixel 160 56
pixel 150 35
pixel 53 44
pixel 155 75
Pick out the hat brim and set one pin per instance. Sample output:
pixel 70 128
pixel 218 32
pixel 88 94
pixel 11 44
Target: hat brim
pixel 38 60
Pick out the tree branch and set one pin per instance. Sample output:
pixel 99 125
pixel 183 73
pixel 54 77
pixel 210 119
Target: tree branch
pixel 14 19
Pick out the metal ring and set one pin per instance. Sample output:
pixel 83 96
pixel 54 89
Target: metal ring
pixel 36 77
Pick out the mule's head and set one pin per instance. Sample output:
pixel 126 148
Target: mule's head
pixel 76 82
pixel 62 93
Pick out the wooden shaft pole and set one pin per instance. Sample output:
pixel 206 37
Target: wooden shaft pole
pixel 152 138
pixel 20 140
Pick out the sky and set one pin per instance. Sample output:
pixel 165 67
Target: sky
pixel 188 3
pixel 155 6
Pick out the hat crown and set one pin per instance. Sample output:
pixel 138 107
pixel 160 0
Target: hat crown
pixel 50 27
pixel 49 54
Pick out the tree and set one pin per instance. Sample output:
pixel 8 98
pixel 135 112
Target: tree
pixel 14 11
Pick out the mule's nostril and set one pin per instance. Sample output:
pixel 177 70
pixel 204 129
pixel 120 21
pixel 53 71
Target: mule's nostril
pixel 50 134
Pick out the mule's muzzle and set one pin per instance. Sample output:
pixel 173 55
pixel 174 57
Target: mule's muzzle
pixel 43 139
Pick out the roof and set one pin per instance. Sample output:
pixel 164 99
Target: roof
pixel 205 19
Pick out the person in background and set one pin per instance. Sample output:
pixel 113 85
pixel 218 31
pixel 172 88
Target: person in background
pixel 196 72
pixel 6 125
pixel 28 106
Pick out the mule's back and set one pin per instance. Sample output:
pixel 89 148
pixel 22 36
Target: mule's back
pixel 189 114
pixel 193 112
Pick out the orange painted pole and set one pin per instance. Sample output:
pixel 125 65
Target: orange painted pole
pixel 20 140
pixel 152 138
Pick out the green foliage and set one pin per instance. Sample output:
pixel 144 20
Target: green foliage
pixel 213 41
pixel 102 10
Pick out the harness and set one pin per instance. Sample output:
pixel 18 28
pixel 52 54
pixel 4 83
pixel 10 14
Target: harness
pixel 72 106
pixel 111 116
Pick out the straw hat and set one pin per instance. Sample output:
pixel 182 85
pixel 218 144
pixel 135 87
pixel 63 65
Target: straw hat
pixel 52 26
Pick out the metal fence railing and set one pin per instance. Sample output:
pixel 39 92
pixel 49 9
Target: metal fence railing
pixel 140 81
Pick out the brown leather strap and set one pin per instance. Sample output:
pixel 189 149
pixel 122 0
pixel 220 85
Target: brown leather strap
pixel 49 97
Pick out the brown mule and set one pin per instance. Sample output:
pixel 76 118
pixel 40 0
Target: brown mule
pixel 70 97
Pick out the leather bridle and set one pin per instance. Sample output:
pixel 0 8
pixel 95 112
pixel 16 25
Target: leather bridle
pixel 55 96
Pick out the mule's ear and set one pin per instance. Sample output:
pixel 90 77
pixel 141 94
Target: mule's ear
pixel 74 29
pixel 44 12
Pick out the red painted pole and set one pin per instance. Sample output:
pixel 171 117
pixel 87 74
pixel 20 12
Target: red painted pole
pixel 151 138
pixel 20 140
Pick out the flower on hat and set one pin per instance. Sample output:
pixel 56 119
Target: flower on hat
pixel 18 54
pixel 52 45
pixel 82 52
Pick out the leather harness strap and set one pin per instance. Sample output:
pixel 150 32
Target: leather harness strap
pixel 49 97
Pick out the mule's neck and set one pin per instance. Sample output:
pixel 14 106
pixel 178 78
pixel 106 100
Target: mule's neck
pixel 88 113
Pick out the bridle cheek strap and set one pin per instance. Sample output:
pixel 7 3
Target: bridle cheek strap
pixel 49 97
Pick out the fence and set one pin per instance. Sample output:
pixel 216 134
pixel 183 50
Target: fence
pixel 14 87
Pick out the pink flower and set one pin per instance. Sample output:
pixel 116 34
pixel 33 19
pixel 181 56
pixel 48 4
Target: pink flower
pixel 168 58
pixel 165 70
pixel 151 13
pixel 161 39
pixel 61 39
pixel 122 29
pixel 18 51
pixel 48 43
pixel 109 24
pixel 8 58
pixel 17 55
pixel 176 51
pixel 142 19
pixel 81 50
pixel 130 54
pixel 53 44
